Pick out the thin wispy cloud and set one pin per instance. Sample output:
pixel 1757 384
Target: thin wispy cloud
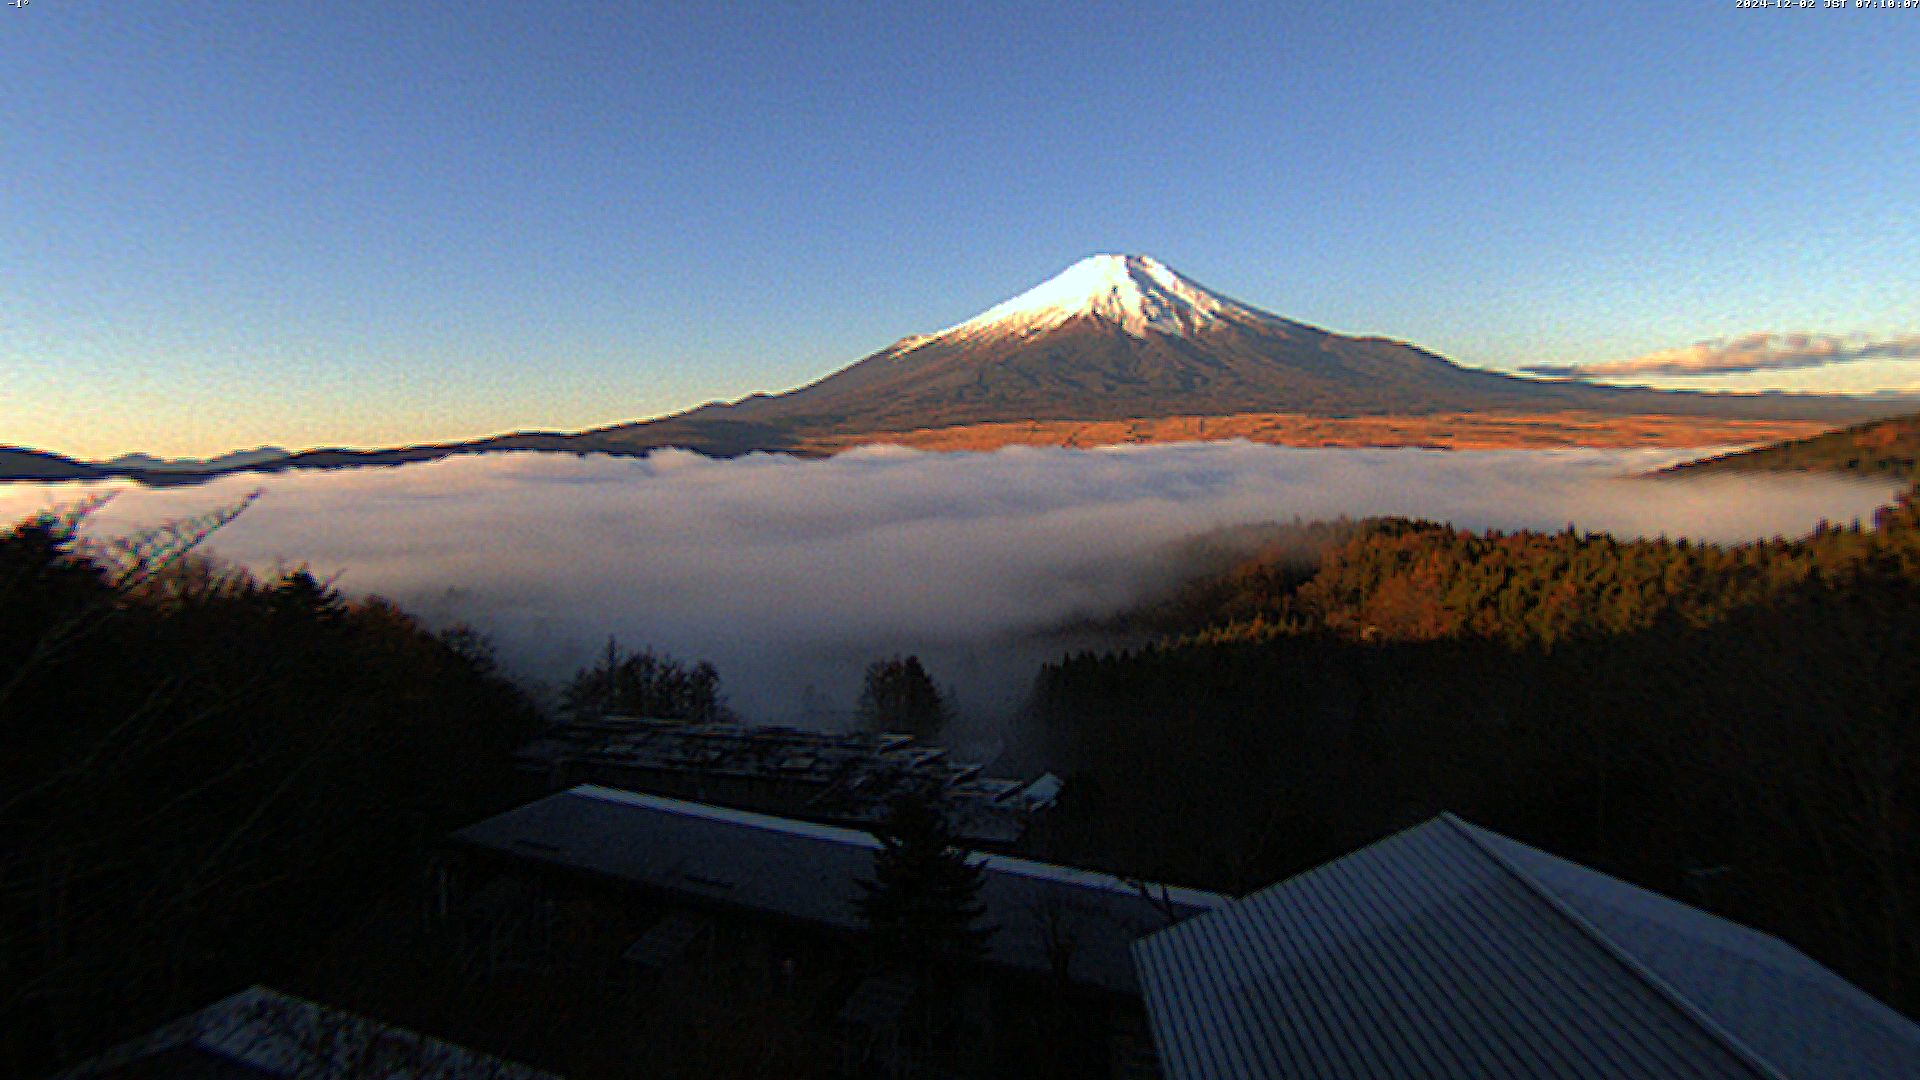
pixel 1749 352
pixel 789 573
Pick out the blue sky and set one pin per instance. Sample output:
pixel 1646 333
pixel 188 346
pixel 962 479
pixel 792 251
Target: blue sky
pixel 227 224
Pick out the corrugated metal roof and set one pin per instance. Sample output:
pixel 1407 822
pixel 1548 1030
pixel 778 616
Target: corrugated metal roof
pixel 807 871
pixel 1447 951
pixel 1800 1017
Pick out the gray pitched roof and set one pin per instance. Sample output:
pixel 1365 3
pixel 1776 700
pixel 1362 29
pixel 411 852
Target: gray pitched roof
pixel 1800 1017
pixel 800 870
pixel 1449 951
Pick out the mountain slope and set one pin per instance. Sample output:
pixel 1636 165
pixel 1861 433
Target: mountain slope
pixel 18 463
pixel 1882 448
pixel 1120 337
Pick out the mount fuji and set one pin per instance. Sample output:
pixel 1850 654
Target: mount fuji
pixel 1123 338
pixel 1122 348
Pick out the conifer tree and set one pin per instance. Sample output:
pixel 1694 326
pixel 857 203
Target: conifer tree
pixel 922 905
pixel 899 695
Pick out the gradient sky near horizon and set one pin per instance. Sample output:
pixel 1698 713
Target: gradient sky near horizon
pixel 227 224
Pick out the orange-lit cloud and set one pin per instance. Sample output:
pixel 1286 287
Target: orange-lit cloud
pixel 1749 352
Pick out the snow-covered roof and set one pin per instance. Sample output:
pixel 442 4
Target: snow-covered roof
pixel 846 777
pixel 1044 791
pixel 1447 951
pixel 260 1032
pixel 806 871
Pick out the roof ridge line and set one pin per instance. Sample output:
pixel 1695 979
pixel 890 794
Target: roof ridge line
pixel 1747 1055
pixel 1015 865
pixel 725 815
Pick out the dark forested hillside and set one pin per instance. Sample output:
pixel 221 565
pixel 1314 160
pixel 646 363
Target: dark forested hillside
pixel 1734 726
pixel 203 774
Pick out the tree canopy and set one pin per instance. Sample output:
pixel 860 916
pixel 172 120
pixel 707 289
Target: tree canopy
pixel 899 695
pixel 648 684
pixel 202 773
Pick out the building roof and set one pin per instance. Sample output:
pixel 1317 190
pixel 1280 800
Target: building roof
pixel 806 871
pixel 262 1034
pixel 1449 951
pixel 845 777
pixel 792 755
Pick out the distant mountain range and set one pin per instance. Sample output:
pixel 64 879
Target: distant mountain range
pixel 239 459
pixel 1122 348
pixel 20 463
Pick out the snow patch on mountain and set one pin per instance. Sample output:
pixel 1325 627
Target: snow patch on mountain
pixel 1133 293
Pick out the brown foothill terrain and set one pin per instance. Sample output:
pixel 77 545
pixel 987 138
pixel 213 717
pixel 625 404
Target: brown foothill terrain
pixel 1449 431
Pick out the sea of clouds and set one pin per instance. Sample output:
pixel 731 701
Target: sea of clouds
pixel 791 573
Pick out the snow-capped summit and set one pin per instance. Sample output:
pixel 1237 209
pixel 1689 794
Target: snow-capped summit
pixel 1125 339
pixel 1135 293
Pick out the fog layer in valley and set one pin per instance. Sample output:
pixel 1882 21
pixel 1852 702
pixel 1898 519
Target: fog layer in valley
pixel 792 573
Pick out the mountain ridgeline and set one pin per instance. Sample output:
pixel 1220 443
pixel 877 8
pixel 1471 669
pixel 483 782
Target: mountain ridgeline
pixel 1123 338
pixel 1879 449
pixel 1120 337
pixel 19 463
